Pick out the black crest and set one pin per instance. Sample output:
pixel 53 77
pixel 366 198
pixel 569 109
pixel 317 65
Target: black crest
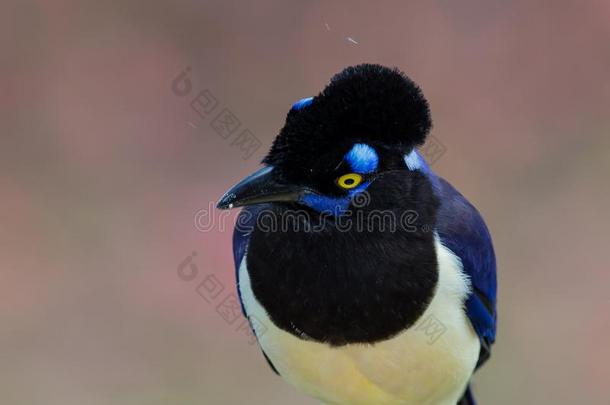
pixel 365 103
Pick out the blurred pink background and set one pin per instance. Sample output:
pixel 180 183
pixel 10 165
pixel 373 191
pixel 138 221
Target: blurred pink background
pixel 103 169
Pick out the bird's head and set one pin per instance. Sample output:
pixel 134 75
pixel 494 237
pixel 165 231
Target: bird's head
pixel 353 136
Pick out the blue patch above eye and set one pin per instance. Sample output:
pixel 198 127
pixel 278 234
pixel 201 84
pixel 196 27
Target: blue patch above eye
pixel 362 158
pixel 304 102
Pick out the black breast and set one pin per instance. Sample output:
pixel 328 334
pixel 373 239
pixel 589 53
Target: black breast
pixel 361 278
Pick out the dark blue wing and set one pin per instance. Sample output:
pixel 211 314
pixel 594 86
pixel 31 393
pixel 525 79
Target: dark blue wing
pixel 241 235
pixel 462 230
pixel 246 220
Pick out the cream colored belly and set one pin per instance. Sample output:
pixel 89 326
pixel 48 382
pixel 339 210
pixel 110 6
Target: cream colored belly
pixel 430 363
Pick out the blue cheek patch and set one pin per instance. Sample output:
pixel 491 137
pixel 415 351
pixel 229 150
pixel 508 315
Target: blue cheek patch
pixel 304 102
pixel 362 158
pixel 333 205
pixel 322 203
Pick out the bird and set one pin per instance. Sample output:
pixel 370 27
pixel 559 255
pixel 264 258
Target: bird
pixel 366 277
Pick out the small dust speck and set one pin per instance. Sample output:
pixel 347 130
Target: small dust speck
pixel 352 40
pixel 191 124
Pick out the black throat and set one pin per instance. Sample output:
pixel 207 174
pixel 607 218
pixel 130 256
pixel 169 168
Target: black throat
pixel 359 278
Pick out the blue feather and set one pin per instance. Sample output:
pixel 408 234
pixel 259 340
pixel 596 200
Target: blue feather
pixel 246 221
pixel 362 158
pixel 462 230
pixel 304 102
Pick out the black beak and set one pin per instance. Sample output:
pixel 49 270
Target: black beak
pixel 260 187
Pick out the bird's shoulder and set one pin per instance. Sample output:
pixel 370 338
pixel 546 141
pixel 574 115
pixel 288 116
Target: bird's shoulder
pixel 462 230
pixel 244 225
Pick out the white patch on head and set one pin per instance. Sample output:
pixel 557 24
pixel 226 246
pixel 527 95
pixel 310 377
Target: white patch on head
pixel 413 367
pixel 413 161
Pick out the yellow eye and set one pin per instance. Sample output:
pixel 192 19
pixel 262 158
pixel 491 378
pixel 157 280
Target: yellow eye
pixel 349 180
